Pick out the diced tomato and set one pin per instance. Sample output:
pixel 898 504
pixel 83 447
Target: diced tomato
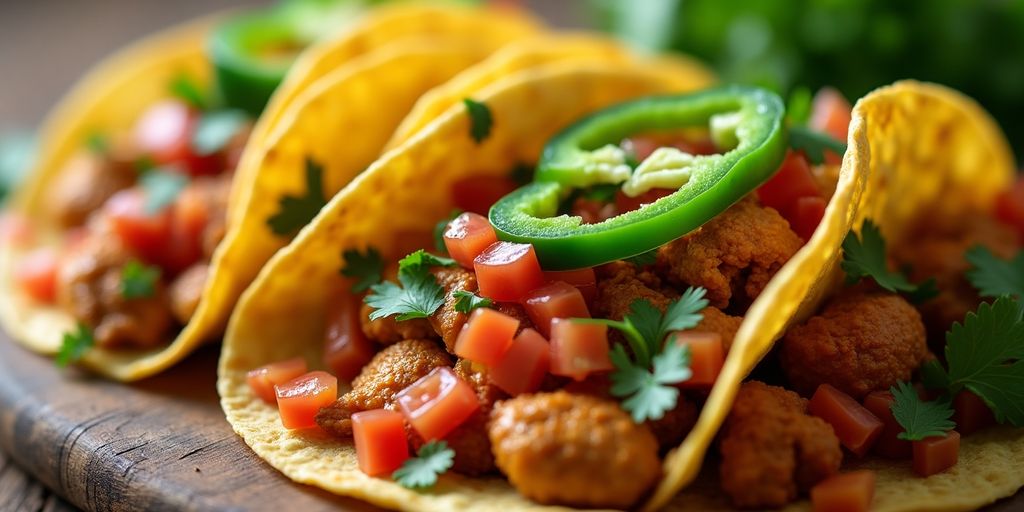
pixel 299 399
pixel 507 271
pixel 145 233
pixel 478 193
pixel 556 300
pixel 792 181
pixel 936 454
pixel 624 203
pixel 36 274
pixel 592 211
pixel 437 403
pixel 583 279
pixel 15 229
pixel 164 132
pixel 467 236
pixel 524 365
pixel 831 113
pixel 888 445
pixel 486 336
pixel 971 414
pixel 346 349
pixel 381 443
pixel 707 356
pixel 263 379
pixel 848 492
pixel 1010 206
pixel 807 214
pixel 578 349
pixel 855 426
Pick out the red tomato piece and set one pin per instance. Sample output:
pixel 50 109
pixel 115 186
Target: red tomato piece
pixel 936 454
pixel 381 443
pixel 556 300
pixel 855 426
pixel 478 193
pixel 524 365
pixel 831 113
pixel 848 492
pixel 707 356
pixel 299 399
pixel 807 214
pixel 36 274
pixel 624 203
pixel 583 279
pixel 507 271
pixel 147 234
pixel 467 236
pixel 346 349
pixel 888 445
pixel 15 229
pixel 486 336
pixel 263 379
pixel 1010 206
pixel 578 349
pixel 593 211
pixel 971 414
pixel 164 132
pixel 437 403
pixel 792 181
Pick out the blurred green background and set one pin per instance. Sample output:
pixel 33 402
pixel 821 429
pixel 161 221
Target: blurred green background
pixel 976 46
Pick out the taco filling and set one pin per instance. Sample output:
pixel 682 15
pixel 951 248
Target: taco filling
pixel 492 354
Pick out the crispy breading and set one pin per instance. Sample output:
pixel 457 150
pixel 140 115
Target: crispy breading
pixel 719 323
pixel 619 284
pixel 392 370
pixel 388 331
pixel 446 321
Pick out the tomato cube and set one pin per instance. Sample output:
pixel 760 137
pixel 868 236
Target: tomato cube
pixel 831 113
pixel 707 356
pixel 807 214
pixel 578 349
pixel 936 454
pixel 146 233
pixel 848 492
pixel 792 181
pixel 583 279
pixel 556 300
pixel 381 443
pixel 524 365
pixel 437 403
pixel 971 414
pixel 507 271
pixel 346 348
pixel 164 132
pixel 36 274
pixel 889 444
pixel 478 193
pixel 467 236
pixel 299 399
pixel 855 426
pixel 486 336
pixel 263 379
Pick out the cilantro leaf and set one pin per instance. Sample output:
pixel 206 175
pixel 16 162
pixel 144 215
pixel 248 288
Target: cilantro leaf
pixel 864 256
pixel 215 130
pixel 985 354
pixel 468 301
pixel 684 312
pixel 423 260
pixel 994 277
pixel 97 143
pixel 418 296
pixel 798 108
pixel 814 144
pixel 185 88
pixel 644 259
pixel 74 345
pixel 138 281
pixel 161 188
pixel 646 319
pixel 296 212
pixel 434 458
pixel 367 269
pixel 933 375
pixel 440 228
pixel 649 394
pixel 480 120
pixel 918 418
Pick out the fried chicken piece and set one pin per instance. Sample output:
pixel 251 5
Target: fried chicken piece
pixel 212 193
pixel 620 284
pixel 719 323
pixel 936 250
pixel 574 450
pixel 446 321
pixel 88 179
pixel 733 256
pixel 187 290
pixel 863 341
pixel 388 331
pixel 772 449
pixel 336 419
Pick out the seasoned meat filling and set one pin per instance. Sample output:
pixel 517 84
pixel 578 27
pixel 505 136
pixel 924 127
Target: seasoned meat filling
pixel 388 331
pixel 87 181
pixel 187 290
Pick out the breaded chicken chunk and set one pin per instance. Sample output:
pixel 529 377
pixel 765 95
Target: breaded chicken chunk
pixel 863 341
pixel 772 450
pixel 387 330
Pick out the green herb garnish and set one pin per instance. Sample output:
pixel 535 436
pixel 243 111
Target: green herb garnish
pixel 864 256
pixel 161 188
pixel 468 301
pixel 419 295
pixel 798 108
pixel 814 144
pixel 215 130
pixel 994 277
pixel 74 345
pixel 918 418
pixel 480 120
pixel 421 472
pixel 367 269
pixel 423 260
pixel 97 143
pixel 297 211
pixel 185 88
pixel 138 281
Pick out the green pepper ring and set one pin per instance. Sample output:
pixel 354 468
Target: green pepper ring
pixel 564 242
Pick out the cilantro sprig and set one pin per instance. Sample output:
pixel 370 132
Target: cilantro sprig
pixel 138 281
pixel 215 130
pixel 161 187
pixel 814 143
pixel 423 259
pixel 75 345
pixel 419 295
pixel 367 269
pixel 919 419
pixel 994 277
pixel 466 301
pixel 297 211
pixel 434 458
pixel 480 120
pixel 185 88
pixel 864 256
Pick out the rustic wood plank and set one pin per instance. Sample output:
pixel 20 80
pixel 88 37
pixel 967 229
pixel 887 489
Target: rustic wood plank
pixel 22 493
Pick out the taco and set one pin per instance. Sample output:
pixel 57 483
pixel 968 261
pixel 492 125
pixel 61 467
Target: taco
pixel 136 184
pixel 473 356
